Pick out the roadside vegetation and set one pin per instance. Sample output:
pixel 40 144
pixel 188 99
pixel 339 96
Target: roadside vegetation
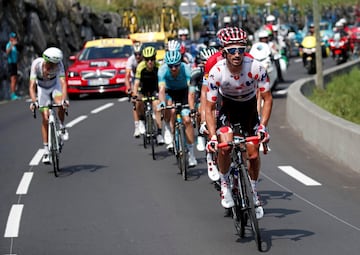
pixel 341 96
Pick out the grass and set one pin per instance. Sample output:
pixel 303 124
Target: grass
pixel 341 96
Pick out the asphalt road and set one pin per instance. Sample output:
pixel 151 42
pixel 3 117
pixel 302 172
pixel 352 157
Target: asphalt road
pixel 112 198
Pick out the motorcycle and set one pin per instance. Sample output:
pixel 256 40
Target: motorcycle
pixel 262 52
pixel 339 47
pixel 308 52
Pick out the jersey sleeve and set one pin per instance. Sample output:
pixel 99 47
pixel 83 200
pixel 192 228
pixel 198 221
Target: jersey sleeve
pixel 139 69
pixel 263 77
pixel 213 84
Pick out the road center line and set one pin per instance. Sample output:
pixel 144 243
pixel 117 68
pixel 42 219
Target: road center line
pixel 13 223
pixel 299 176
pixel 76 121
pixel 24 183
pixel 101 108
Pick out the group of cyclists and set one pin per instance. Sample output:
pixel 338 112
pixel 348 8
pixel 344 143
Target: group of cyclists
pixel 221 88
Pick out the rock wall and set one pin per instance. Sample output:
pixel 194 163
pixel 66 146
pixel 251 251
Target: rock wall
pixel 43 23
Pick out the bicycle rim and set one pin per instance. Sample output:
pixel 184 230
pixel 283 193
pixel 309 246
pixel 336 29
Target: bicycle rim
pixel 251 207
pixel 53 150
pixel 183 153
pixel 177 148
pixel 238 214
pixel 153 137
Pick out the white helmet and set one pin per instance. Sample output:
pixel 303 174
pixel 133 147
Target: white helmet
pixel 270 18
pixel 173 45
pixel 53 55
pixel 263 34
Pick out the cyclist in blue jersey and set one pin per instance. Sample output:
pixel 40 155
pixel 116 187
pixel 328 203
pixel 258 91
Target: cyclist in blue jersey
pixel 174 86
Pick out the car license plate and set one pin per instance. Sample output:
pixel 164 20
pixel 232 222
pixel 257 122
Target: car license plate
pixel 98 82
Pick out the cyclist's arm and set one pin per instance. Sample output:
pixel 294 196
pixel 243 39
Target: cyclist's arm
pixel 267 107
pixel 127 79
pixel 32 89
pixel 63 88
pixel 136 87
pixel 210 118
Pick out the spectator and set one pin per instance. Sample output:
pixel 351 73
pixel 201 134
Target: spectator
pixel 12 56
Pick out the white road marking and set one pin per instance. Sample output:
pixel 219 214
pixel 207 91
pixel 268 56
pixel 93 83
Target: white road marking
pixel 101 108
pixel 123 99
pixel 312 204
pixel 299 176
pixel 76 121
pixel 24 183
pixel 36 159
pixel 13 223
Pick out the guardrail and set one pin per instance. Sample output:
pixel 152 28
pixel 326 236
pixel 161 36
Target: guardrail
pixel 335 137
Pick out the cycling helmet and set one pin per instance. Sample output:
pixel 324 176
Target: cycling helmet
pixel 263 34
pixel 53 55
pixel 231 35
pixel 214 43
pixel 173 45
pixel 172 57
pixel 270 18
pixel 137 47
pixel 149 52
pixel 206 53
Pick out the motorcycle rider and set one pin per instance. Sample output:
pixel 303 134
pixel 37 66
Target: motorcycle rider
pixel 264 37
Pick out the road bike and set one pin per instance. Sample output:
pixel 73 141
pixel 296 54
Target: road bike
pixel 243 211
pixel 55 142
pixel 151 131
pixel 180 148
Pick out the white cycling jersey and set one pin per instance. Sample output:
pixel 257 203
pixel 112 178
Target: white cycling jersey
pixel 241 87
pixel 49 85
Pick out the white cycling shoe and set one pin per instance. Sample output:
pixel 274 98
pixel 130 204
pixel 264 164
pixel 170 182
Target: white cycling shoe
pixel 46 158
pixel 200 145
pixel 142 129
pixel 64 134
pixel 192 160
pixel 226 196
pixel 259 210
pixel 167 134
pixel 213 171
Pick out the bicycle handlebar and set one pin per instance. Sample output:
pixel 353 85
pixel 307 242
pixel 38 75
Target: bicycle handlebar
pixel 243 140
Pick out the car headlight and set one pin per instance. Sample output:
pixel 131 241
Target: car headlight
pixel 72 74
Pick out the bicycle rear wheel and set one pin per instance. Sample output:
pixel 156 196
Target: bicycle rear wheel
pixel 53 150
pixel 183 152
pixel 248 192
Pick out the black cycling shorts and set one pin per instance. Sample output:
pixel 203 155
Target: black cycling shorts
pixel 12 69
pixel 234 112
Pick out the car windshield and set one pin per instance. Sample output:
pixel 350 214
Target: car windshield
pixel 106 52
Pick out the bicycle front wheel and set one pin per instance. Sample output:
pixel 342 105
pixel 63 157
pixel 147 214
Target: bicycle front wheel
pixel 248 192
pixel 153 132
pixel 54 149
pixel 183 152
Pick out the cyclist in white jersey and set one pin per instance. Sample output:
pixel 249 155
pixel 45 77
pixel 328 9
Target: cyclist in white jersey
pixel 237 79
pixel 130 71
pixel 47 78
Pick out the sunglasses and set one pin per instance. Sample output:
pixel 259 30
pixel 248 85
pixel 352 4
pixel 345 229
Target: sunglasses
pixel 232 51
pixel 174 66
pixel 149 59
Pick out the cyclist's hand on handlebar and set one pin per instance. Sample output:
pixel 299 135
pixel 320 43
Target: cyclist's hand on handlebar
pixel 193 112
pixel 211 145
pixel 264 134
pixel 161 106
pixel 133 98
pixel 65 103
pixel 34 105
pixel 203 128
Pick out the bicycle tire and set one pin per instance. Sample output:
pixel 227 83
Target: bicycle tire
pixel 251 207
pixel 183 152
pixel 238 212
pixel 53 150
pixel 153 132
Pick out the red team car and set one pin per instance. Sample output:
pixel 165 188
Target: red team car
pixel 99 67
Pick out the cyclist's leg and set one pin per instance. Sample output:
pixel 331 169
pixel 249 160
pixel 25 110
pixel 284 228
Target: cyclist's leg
pixel 190 137
pixel 44 99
